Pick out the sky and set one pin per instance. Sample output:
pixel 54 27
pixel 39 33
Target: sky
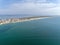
pixel 32 7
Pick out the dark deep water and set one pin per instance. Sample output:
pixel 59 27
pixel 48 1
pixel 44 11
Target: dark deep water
pixel 38 32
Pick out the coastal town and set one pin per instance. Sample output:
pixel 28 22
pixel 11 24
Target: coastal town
pixel 14 20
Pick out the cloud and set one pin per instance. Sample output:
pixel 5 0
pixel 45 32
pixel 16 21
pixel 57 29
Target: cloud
pixel 33 7
pixel 35 0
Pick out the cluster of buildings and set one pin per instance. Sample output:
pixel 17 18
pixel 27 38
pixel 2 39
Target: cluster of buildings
pixel 13 20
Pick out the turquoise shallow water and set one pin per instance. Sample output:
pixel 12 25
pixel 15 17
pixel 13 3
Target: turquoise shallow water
pixel 37 32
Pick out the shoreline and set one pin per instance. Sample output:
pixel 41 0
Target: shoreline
pixel 15 20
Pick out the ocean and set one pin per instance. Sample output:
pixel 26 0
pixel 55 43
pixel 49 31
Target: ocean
pixel 37 32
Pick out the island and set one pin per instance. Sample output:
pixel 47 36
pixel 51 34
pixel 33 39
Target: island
pixel 14 20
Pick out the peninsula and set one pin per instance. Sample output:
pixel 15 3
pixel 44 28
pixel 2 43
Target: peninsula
pixel 14 20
